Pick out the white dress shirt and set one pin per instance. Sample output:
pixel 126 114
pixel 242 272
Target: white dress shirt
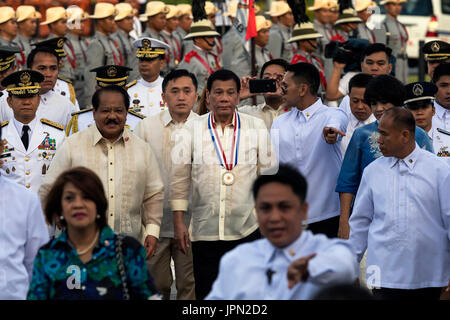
pixel 243 271
pixel 22 232
pixel 402 216
pixel 264 112
pixel 145 97
pixel 298 140
pixel 441 143
pixel 441 118
pixel 353 124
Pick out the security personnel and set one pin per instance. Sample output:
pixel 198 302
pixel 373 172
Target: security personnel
pixel 201 61
pixel 103 49
pixel 211 11
pixel 398 37
pixel 124 21
pixel 8 26
pixel 364 9
pixel 171 39
pixel 27 19
pixel 63 85
pixel 419 100
pixel 78 44
pixel 8 57
pixel 436 52
pixel 56 19
pixel 185 19
pixel 105 76
pixel 32 142
pixel 231 40
pixel 347 21
pixel 145 93
pixel 278 38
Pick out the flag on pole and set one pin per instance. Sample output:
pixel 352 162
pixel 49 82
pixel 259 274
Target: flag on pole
pixel 251 26
pixel 245 22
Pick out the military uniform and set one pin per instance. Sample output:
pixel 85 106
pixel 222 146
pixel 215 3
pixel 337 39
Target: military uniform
pixel 278 45
pixel 327 33
pixel 441 142
pixel 29 167
pixel 67 69
pixel 186 45
pixel 79 46
pixel 175 48
pixel 129 53
pixel 231 43
pixel 65 88
pixel 301 56
pixel 103 50
pixel 397 41
pixel 85 118
pixel 145 97
pixel 24 45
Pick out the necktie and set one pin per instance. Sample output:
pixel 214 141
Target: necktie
pixel 25 138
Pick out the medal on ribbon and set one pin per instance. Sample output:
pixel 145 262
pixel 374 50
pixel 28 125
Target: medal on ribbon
pixel 227 177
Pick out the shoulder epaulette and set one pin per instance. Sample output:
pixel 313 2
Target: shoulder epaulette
pixel 137 114
pixel 443 131
pixel 4 123
pixel 132 83
pixel 82 111
pixel 53 124
pixel 64 79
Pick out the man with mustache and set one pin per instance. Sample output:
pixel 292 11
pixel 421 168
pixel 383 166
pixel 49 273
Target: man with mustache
pixel 125 164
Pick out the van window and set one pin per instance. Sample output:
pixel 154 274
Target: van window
pixel 418 7
pixel 445 6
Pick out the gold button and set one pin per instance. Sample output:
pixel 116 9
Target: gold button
pixel 151 104
pixel 27 185
pixel 27 159
pixel 151 90
pixel 292 252
pixel 27 172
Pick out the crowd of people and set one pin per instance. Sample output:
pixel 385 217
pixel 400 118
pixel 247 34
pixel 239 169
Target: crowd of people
pixel 140 157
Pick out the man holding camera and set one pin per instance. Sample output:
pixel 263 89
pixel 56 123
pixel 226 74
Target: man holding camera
pixel 272 106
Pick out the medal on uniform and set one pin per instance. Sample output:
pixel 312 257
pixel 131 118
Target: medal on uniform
pixel 228 177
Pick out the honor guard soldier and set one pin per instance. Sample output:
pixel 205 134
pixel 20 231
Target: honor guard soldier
pixel 278 45
pixel 306 37
pixel 8 57
pixel 185 19
pixel 27 20
pixel 105 76
pixel 419 100
pixel 397 38
pixel 171 39
pixel 322 14
pixel 231 40
pixel 103 49
pixel 56 19
pixel 364 10
pixel 347 22
pixel 8 26
pixel 31 142
pixel 436 52
pixel 145 93
pixel 63 85
pixel 211 11
pixel 78 44
pixel 201 61
pixel 124 22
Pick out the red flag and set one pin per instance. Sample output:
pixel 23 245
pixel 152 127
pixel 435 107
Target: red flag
pixel 251 26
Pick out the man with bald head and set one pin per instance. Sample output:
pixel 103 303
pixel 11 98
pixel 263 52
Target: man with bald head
pixel 402 215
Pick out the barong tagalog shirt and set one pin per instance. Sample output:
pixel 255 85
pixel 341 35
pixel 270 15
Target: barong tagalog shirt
pixel 243 272
pixel 130 175
pixel 299 137
pixel 222 205
pixel 402 216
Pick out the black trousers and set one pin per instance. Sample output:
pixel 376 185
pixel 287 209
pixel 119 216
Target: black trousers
pixel 404 294
pixel 329 227
pixel 206 257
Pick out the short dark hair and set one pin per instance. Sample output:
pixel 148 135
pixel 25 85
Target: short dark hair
pixel 111 88
pixel 176 74
pixel 89 184
pixel 286 175
pixel 377 47
pixel 385 88
pixel 279 62
pixel 306 73
pixel 35 51
pixel 402 118
pixel 223 75
pixel 441 70
pixel 361 80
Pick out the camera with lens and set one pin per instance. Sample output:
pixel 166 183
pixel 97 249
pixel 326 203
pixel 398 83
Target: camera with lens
pixel 348 53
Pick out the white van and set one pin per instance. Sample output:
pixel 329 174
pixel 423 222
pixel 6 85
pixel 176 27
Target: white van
pixel 424 20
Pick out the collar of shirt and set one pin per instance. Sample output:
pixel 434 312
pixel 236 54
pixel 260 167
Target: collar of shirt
pixel 440 110
pixel 45 98
pixel 354 121
pixel 309 112
pixel 167 118
pixel 153 84
pixel 290 252
pixel 410 160
pixel 19 126
pixel 106 239
pixel 232 124
pixel 99 35
pixel 97 136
